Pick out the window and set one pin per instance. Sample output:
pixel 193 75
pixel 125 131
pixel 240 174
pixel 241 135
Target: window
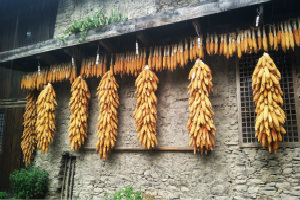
pixel 1 129
pixel 246 105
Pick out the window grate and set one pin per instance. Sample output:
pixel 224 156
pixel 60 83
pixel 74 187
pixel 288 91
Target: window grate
pixel 247 107
pixel 2 123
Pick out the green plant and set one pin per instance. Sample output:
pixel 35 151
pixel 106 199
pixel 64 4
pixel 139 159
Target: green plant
pixel 29 183
pixel 98 20
pixel 128 193
pixel 3 195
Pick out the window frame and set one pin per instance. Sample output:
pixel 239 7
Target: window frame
pixel 296 98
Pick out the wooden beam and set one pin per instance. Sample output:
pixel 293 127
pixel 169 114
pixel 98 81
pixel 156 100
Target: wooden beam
pixel 108 46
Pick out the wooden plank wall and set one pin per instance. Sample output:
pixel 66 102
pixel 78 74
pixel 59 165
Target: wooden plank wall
pixel 11 88
pixel 11 155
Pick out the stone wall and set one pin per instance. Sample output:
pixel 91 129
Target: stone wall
pixel 227 172
pixel 69 10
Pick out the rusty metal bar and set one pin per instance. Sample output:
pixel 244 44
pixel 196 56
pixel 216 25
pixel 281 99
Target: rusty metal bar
pixel 144 149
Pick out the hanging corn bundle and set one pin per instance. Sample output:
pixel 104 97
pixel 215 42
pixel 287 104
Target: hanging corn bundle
pixel 200 125
pixel 268 99
pixel 107 121
pixel 45 124
pixel 29 139
pixel 145 113
pixel 79 103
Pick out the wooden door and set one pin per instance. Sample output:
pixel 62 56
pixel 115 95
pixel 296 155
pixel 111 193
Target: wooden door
pixel 11 153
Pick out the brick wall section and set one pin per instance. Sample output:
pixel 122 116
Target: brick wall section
pixel 228 172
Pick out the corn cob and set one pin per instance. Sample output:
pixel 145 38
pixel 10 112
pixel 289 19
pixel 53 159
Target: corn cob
pixel 201 47
pixel 181 55
pixel 186 52
pixel 79 103
pixel 225 50
pixel 291 36
pixel 268 99
pixel 275 39
pixel 29 139
pixel 216 47
pixel 278 35
pixel 107 121
pixel 298 19
pixel 242 40
pixel 239 50
pixel 259 41
pixel 250 42
pixel 296 33
pixel 254 41
pixel 191 49
pixel 283 39
pixel 245 42
pixel 222 44
pixel 200 125
pixel 230 52
pixel 73 73
pixel 271 38
pixel 168 58
pixel 45 124
pixel 286 35
pixel 175 57
pixel 211 47
pixel 233 41
pixel 145 113
pixel 164 58
pixel 207 44
pixel 265 42
pixel 195 48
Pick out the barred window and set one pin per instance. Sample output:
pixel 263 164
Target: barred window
pixel 246 106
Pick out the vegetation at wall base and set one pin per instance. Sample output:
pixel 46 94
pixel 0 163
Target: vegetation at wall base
pixel 3 195
pixel 126 193
pixel 30 183
pixel 98 20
